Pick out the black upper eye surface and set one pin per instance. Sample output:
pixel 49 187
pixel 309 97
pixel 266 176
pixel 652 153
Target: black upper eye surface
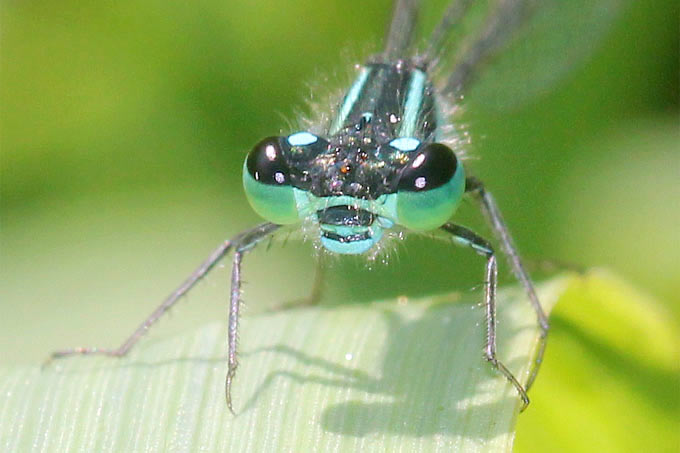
pixel 266 163
pixel 433 166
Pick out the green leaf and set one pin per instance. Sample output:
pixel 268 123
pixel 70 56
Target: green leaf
pixel 384 376
pixel 611 379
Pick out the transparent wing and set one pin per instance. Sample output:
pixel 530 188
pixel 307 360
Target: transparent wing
pixel 401 29
pixel 505 52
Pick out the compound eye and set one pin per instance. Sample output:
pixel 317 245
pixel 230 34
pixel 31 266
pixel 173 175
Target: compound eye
pixel 433 166
pixel 266 180
pixel 266 163
pixel 429 188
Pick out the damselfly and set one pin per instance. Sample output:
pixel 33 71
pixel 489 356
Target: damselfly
pixel 385 161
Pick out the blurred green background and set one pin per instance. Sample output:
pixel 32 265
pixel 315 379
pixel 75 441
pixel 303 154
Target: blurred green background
pixel 124 126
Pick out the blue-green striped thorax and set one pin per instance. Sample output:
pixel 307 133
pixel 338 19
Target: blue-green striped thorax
pixel 379 164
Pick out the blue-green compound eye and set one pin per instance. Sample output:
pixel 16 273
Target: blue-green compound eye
pixel 266 180
pixel 430 188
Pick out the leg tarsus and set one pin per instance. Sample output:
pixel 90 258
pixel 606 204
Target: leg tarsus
pixel 542 343
pixel 491 358
pixel 227 387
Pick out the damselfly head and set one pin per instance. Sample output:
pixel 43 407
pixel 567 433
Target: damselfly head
pixel 353 188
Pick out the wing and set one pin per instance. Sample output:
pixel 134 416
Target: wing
pixel 505 52
pixel 401 31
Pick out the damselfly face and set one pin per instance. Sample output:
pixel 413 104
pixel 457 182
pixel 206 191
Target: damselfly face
pixel 379 166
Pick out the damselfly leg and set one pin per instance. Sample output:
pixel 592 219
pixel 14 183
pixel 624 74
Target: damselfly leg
pixel 246 243
pixel 495 219
pixel 242 243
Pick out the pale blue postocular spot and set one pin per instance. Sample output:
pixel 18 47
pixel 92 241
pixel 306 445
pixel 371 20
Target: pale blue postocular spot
pixel 405 143
pixel 302 139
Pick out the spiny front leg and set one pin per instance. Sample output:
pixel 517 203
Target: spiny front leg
pixel 246 242
pixel 493 215
pixel 234 307
pixel 463 236
pixel 163 308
